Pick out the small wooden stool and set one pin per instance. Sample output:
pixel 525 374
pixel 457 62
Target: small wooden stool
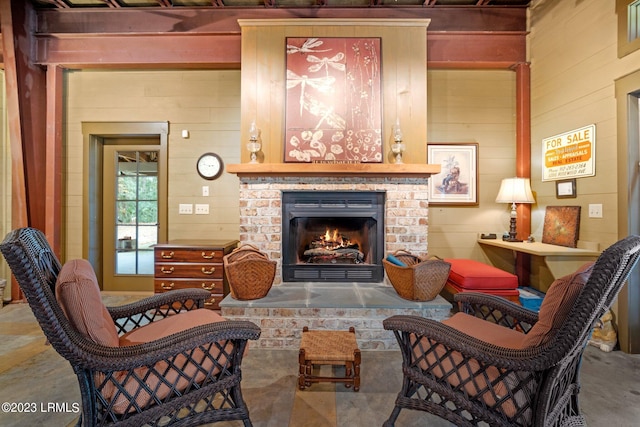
pixel 329 348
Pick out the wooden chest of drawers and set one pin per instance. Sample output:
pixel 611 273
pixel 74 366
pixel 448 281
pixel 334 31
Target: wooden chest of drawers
pixel 183 264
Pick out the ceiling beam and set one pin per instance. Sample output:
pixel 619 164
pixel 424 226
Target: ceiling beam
pixel 225 20
pixel 445 50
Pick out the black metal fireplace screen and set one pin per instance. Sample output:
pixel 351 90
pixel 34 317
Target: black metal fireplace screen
pixel 332 236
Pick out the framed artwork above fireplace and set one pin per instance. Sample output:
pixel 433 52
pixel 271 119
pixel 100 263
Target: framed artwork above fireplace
pixel 333 100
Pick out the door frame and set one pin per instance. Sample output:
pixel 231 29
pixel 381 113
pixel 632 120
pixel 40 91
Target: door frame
pixel 628 145
pixel 94 135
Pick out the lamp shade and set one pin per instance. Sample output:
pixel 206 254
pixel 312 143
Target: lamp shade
pixel 515 190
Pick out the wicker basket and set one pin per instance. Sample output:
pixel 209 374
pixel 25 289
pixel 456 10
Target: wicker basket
pixel 249 272
pixel 420 280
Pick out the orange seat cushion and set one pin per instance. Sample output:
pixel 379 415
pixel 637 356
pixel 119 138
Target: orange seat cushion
pixel 170 325
pixel 78 294
pixel 189 371
pixel 486 331
pixel 468 274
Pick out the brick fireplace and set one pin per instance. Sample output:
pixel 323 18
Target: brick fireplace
pixel 405 212
pixel 332 236
pixel 317 304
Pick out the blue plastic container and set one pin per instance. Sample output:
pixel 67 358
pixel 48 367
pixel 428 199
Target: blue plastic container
pixel 530 298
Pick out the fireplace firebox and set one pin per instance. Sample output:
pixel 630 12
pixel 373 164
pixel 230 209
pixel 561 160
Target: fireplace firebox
pixel 332 236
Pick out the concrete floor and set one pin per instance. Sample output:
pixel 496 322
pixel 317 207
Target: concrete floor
pixel 30 371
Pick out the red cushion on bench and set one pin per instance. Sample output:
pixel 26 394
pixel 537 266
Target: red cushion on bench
pixel 468 274
pixel 511 294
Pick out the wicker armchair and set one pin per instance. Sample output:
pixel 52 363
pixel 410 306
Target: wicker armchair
pixel 499 364
pixel 177 375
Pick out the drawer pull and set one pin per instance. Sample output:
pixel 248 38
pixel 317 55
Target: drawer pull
pixel 205 271
pixel 208 288
pixel 212 301
pixel 167 287
pixel 205 256
pixel 166 271
pixel 167 255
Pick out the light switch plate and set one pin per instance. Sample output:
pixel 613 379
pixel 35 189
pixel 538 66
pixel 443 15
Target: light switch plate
pixel 595 210
pixel 185 209
pixel 202 209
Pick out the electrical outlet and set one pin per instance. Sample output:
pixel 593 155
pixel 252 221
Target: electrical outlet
pixel 595 210
pixel 202 209
pixel 185 208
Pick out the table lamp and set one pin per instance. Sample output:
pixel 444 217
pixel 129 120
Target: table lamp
pixel 514 190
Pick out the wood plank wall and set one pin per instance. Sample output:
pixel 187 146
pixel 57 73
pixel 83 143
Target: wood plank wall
pixel 404 67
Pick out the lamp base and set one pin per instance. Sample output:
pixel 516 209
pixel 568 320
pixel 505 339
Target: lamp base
pixel 512 227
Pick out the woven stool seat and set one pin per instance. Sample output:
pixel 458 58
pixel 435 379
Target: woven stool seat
pixel 329 348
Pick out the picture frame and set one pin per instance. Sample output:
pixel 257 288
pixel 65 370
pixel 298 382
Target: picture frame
pixel 333 100
pixel 457 183
pixel 566 189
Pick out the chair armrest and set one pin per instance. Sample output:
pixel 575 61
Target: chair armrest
pixel 497 310
pixel 156 307
pixel 409 330
pixel 96 357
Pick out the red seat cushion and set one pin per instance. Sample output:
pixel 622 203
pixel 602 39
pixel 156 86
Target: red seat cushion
pixel 468 274
pixel 511 294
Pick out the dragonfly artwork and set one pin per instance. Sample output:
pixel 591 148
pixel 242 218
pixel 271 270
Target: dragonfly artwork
pixel 333 100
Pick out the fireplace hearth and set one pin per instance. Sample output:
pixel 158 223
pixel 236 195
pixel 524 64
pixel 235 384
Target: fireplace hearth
pixel 332 236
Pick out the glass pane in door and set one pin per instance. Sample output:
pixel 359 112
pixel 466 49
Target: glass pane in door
pixel 136 202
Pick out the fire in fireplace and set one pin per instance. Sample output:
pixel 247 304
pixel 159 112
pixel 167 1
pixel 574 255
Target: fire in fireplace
pixel 333 247
pixel 333 236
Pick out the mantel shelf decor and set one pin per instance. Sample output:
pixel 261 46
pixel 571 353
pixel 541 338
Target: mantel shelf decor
pixel 334 169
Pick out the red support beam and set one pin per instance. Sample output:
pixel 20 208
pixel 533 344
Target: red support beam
pixel 456 50
pixel 53 168
pixel 523 140
pixel 25 86
pixel 523 162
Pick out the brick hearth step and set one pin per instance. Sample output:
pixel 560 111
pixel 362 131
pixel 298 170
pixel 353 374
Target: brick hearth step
pixel 291 306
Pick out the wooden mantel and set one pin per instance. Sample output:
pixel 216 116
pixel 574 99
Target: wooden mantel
pixel 389 170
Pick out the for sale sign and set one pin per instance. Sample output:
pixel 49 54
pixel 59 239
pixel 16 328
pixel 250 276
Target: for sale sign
pixel 569 155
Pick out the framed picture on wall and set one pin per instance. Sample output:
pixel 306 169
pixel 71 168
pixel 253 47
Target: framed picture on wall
pixel 566 189
pixel 333 100
pixel 457 183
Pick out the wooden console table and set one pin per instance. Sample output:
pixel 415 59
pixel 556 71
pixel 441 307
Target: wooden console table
pixel 559 260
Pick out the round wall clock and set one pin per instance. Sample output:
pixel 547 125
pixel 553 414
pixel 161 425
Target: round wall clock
pixel 209 166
